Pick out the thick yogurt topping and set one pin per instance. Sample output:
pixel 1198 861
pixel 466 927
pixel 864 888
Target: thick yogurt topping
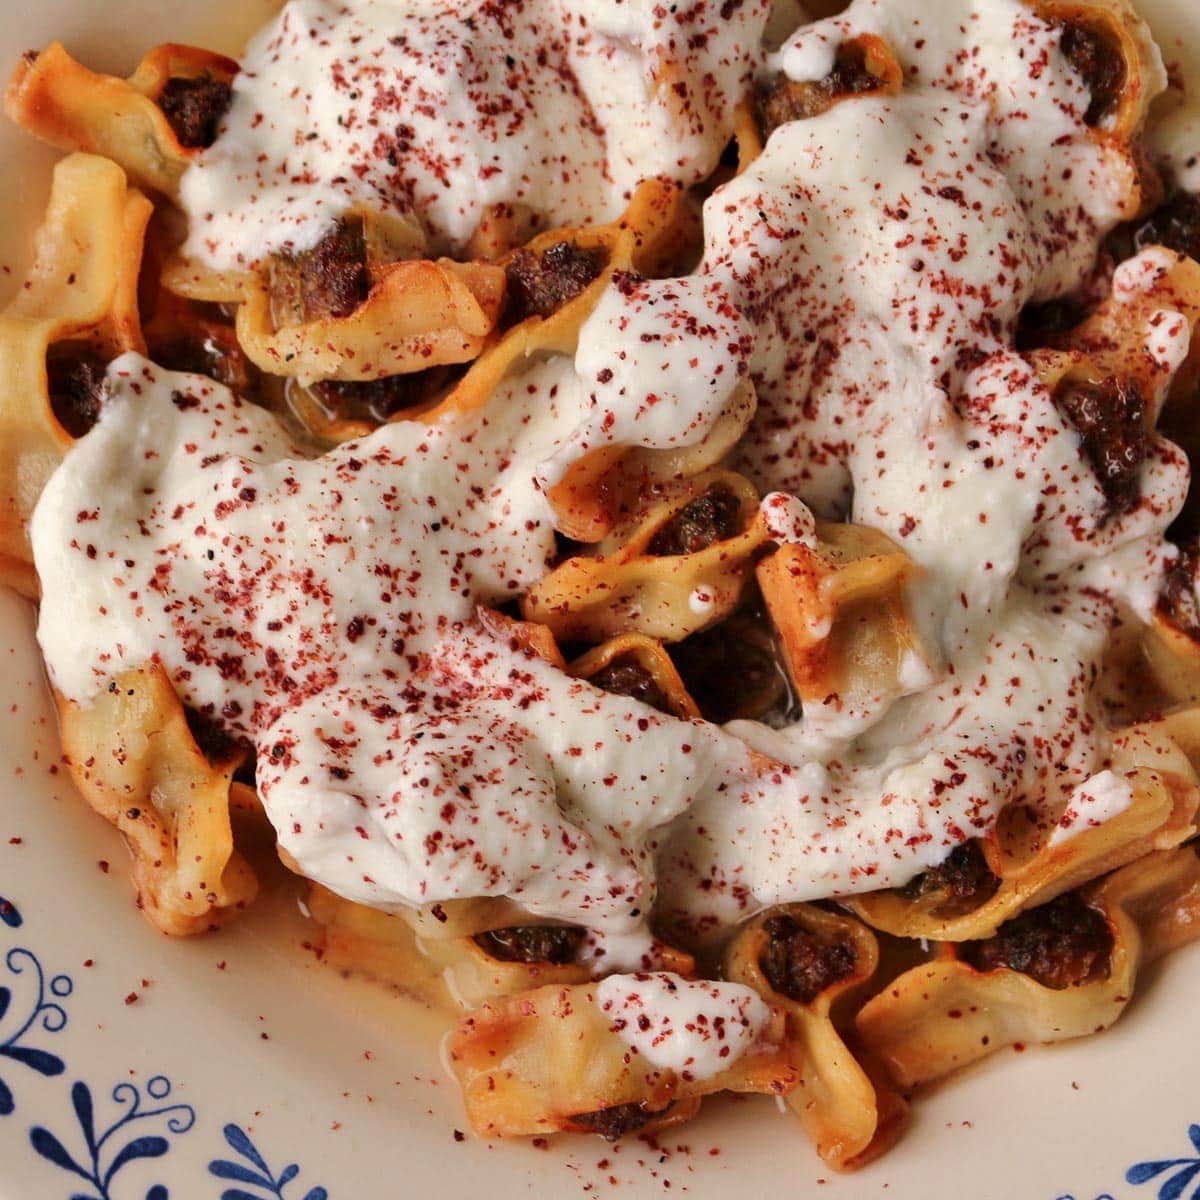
pixel 438 111
pixel 865 273
pixel 695 1028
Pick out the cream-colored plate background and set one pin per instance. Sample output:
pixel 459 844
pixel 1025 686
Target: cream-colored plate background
pixel 345 1080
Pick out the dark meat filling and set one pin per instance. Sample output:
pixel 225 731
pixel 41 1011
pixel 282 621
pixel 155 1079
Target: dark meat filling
pixel 701 523
pixel 540 284
pixel 1110 417
pixel 627 677
pixel 213 352
pixel 616 1122
pixel 194 108
pixel 1178 596
pixel 330 280
pixel 379 400
pixel 732 671
pixel 76 382
pixel 800 965
pixel 1101 66
pixel 555 944
pixel 962 881
pixel 784 100
pixel 1061 944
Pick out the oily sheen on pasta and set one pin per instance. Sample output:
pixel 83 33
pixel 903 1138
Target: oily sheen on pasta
pixel 680 527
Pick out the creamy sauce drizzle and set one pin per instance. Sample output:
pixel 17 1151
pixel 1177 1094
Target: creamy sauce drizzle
pixel 437 111
pixel 695 1028
pixel 866 273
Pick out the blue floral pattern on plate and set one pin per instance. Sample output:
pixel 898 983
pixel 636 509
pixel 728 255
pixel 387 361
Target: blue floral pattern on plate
pixel 1174 1175
pixel 41 1013
pixel 95 1155
pixel 100 1163
pixel 1179 1172
pixel 257 1175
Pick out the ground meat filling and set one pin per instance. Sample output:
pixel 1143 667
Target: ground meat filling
pixel 783 99
pixel 75 379
pixel 711 518
pixel 1110 418
pixel 212 351
pixel 330 280
pixel 1178 596
pixel 554 944
pixel 627 677
pixel 962 881
pixel 540 284
pixel 1099 62
pixel 732 670
pixel 800 965
pixel 194 108
pixel 614 1123
pixel 379 400
pixel 1061 944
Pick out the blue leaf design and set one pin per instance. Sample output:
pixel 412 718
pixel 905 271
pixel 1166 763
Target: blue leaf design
pixel 157 1192
pixel 41 1061
pixel 1174 1187
pixel 263 1178
pixel 1194 1135
pixel 240 1141
pixel 6 1099
pixel 143 1147
pixel 1144 1171
pixel 9 914
pixel 50 1148
pixel 224 1169
pixel 5 1001
pixel 84 1196
pixel 81 1101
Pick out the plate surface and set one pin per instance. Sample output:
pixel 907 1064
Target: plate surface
pixel 236 1067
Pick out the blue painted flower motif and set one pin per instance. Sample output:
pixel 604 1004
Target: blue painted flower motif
pixel 257 1175
pixel 101 1163
pixel 1180 1172
pixel 42 1011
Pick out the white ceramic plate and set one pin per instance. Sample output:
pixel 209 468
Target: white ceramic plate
pixel 236 1067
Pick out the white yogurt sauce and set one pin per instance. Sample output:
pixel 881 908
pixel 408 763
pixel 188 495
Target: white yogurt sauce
pixel 695 1028
pixel 440 110
pixel 866 272
pixel 1103 797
